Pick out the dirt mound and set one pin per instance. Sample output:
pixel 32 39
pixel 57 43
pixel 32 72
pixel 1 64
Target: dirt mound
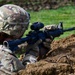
pixel 59 61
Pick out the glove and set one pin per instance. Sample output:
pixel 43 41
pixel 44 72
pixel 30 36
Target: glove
pixel 47 43
pixel 22 45
pixel 32 52
pixel 33 49
pixel 45 48
pixel 50 27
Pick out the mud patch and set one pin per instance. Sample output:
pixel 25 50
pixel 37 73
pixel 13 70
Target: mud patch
pixel 60 60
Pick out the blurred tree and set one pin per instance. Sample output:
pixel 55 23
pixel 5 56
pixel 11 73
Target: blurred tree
pixel 36 5
pixel 2 2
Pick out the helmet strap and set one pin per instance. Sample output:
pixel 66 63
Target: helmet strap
pixel 4 36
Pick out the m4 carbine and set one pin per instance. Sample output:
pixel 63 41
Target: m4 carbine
pixel 35 34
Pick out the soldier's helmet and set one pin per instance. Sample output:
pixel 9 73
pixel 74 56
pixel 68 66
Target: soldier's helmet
pixel 14 20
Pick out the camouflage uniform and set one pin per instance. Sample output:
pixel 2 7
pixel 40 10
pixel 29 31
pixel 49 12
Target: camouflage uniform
pixel 9 62
pixel 14 21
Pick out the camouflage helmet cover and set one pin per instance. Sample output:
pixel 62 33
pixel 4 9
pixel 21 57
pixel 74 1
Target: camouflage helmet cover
pixel 14 20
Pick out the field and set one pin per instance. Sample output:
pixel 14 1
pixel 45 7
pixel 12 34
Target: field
pixel 63 14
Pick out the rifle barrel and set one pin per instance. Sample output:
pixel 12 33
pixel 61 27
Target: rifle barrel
pixel 70 29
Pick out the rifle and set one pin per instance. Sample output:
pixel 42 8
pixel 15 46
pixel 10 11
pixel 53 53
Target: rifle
pixel 35 34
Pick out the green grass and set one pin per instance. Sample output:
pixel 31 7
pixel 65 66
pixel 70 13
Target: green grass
pixel 63 14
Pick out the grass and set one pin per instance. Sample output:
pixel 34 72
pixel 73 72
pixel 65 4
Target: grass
pixel 63 14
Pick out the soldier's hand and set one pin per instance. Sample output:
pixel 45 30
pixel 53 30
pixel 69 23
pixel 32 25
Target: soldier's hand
pixel 47 42
pixel 50 27
pixel 23 45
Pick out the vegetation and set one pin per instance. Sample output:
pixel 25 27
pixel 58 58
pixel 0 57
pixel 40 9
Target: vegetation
pixel 63 14
pixel 37 5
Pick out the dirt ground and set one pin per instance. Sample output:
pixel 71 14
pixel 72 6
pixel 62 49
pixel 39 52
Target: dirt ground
pixel 60 60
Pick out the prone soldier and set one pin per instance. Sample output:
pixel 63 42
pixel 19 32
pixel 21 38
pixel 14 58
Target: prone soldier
pixel 14 21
